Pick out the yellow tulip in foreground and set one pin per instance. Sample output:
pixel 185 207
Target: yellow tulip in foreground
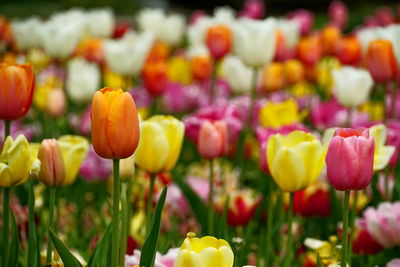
pixel 204 252
pixel 16 161
pixel 160 143
pixel 382 153
pixel 279 114
pixel 73 149
pixel 295 160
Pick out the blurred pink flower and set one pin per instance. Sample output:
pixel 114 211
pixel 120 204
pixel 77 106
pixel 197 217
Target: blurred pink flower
pixel 393 263
pixel 199 186
pixel 381 185
pixel 141 96
pixel 253 9
pixel 393 139
pixel 196 15
pixel 304 18
pixel 385 16
pixel 95 168
pixel 17 128
pixel 383 223
pixel 338 14
pixel 328 114
pixel 166 260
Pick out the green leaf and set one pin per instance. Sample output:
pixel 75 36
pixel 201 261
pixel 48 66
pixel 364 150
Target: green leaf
pixel 33 242
pixel 149 248
pixel 99 256
pixel 68 259
pixel 199 208
pixel 319 263
pixel 14 248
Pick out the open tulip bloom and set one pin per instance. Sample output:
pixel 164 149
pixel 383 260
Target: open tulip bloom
pixel 200 139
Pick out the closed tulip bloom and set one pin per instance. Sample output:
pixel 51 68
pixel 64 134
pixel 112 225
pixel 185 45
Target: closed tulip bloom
pixel 52 171
pixel 16 161
pixel 294 71
pixel 380 61
pixel 16 90
pixel 201 67
pixel 350 159
pixel 330 36
pixel 237 74
pixel 204 252
pixel 160 143
pixel 274 76
pixel 309 49
pixel 213 139
pixel 115 124
pixel 348 50
pixel 279 114
pixel 383 153
pixel 295 160
pixel 219 41
pixel 74 149
pixel 155 77
pixel 352 86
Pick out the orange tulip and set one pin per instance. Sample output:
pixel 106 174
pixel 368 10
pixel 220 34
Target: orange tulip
pixel 329 39
pixel 16 90
pixel 155 77
pixel 380 60
pixel 201 67
pixel 115 124
pixel 159 52
pixel 219 41
pixel 91 49
pixel 309 49
pixel 348 50
pixel 294 71
pixel 274 76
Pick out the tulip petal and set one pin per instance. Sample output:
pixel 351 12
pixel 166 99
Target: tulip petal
pixel 188 258
pixel 5 176
pixel 19 159
pixel 100 109
pixel 382 157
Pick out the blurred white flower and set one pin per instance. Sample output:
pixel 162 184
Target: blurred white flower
pixel 83 80
pixel 255 41
pixel 127 55
pixel 26 33
pixel 351 86
pixel 290 30
pixel 168 28
pixel 237 74
pixel 198 50
pixel 100 22
pixel 365 36
pixel 392 33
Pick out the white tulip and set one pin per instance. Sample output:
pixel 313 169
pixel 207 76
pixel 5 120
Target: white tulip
pixel 127 56
pixel 168 28
pixel 224 13
pixel 392 33
pixel 290 30
pixel 238 75
pixel 83 80
pixel 198 50
pixel 365 36
pixel 26 33
pixel 351 86
pixel 100 22
pixel 255 41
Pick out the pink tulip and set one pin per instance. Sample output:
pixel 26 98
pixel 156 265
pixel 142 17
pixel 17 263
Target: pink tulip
pixel 95 168
pixel 350 159
pixel 213 139
pixel 393 263
pixel 393 139
pixel 383 223
pixel 253 9
pixel 385 16
pixel 328 114
pixel 338 13
pixel 196 16
pixel 304 18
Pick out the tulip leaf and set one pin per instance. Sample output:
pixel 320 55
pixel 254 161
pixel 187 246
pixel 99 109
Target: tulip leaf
pixel 196 203
pixel 33 241
pixel 68 259
pixel 99 256
pixel 149 248
pixel 14 248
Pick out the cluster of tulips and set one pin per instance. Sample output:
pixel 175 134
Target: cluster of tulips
pixel 272 139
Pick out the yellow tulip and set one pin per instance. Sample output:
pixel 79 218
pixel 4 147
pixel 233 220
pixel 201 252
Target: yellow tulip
pixel 382 152
pixel 160 143
pixel 73 149
pixel 204 252
pixel 279 114
pixel 374 109
pixel 16 161
pixel 295 160
pixel 179 70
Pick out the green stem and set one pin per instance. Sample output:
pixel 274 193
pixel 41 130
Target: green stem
pixel 393 101
pixel 6 224
pixel 269 222
pixel 288 259
pixel 213 92
pixel 115 215
pixel 383 86
pixel 129 204
pixel 32 249
pixel 387 195
pixel 253 94
pixel 52 203
pixel 124 230
pixel 211 198
pixel 7 127
pixel 352 223
pixel 150 201
pixel 345 226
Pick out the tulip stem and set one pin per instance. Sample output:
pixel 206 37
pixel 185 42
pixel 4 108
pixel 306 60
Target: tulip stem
pixel 352 223
pixel 6 217
pixel 52 203
pixel 7 127
pixel 211 198
pixel 269 221
pixel 124 230
pixel 150 201
pixel 115 215
pixel 33 253
pixel 288 258
pixel 345 226
pixel 213 92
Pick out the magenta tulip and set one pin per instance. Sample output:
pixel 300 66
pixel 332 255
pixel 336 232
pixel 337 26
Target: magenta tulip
pixel 350 159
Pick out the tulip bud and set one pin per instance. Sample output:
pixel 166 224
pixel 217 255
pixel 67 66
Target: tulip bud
pixel 16 90
pixel 329 39
pixel 348 50
pixel 52 172
pixel 274 78
pixel 201 67
pixel 350 159
pixel 219 41
pixel 309 49
pixel 213 139
pixel 56 102
pixel 380 61
pixel 155 77
pixel 294 71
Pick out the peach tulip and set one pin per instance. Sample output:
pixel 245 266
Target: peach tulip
pixel 52 171
pixel 213 139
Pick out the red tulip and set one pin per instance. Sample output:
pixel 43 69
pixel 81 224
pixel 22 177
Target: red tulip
pixel 313 201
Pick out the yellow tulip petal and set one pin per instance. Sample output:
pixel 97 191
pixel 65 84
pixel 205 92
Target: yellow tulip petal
pixel 187 258
pixel 5 176
pixel 19 159
pixel 382 157
pixel 379 132
pixel 226 256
